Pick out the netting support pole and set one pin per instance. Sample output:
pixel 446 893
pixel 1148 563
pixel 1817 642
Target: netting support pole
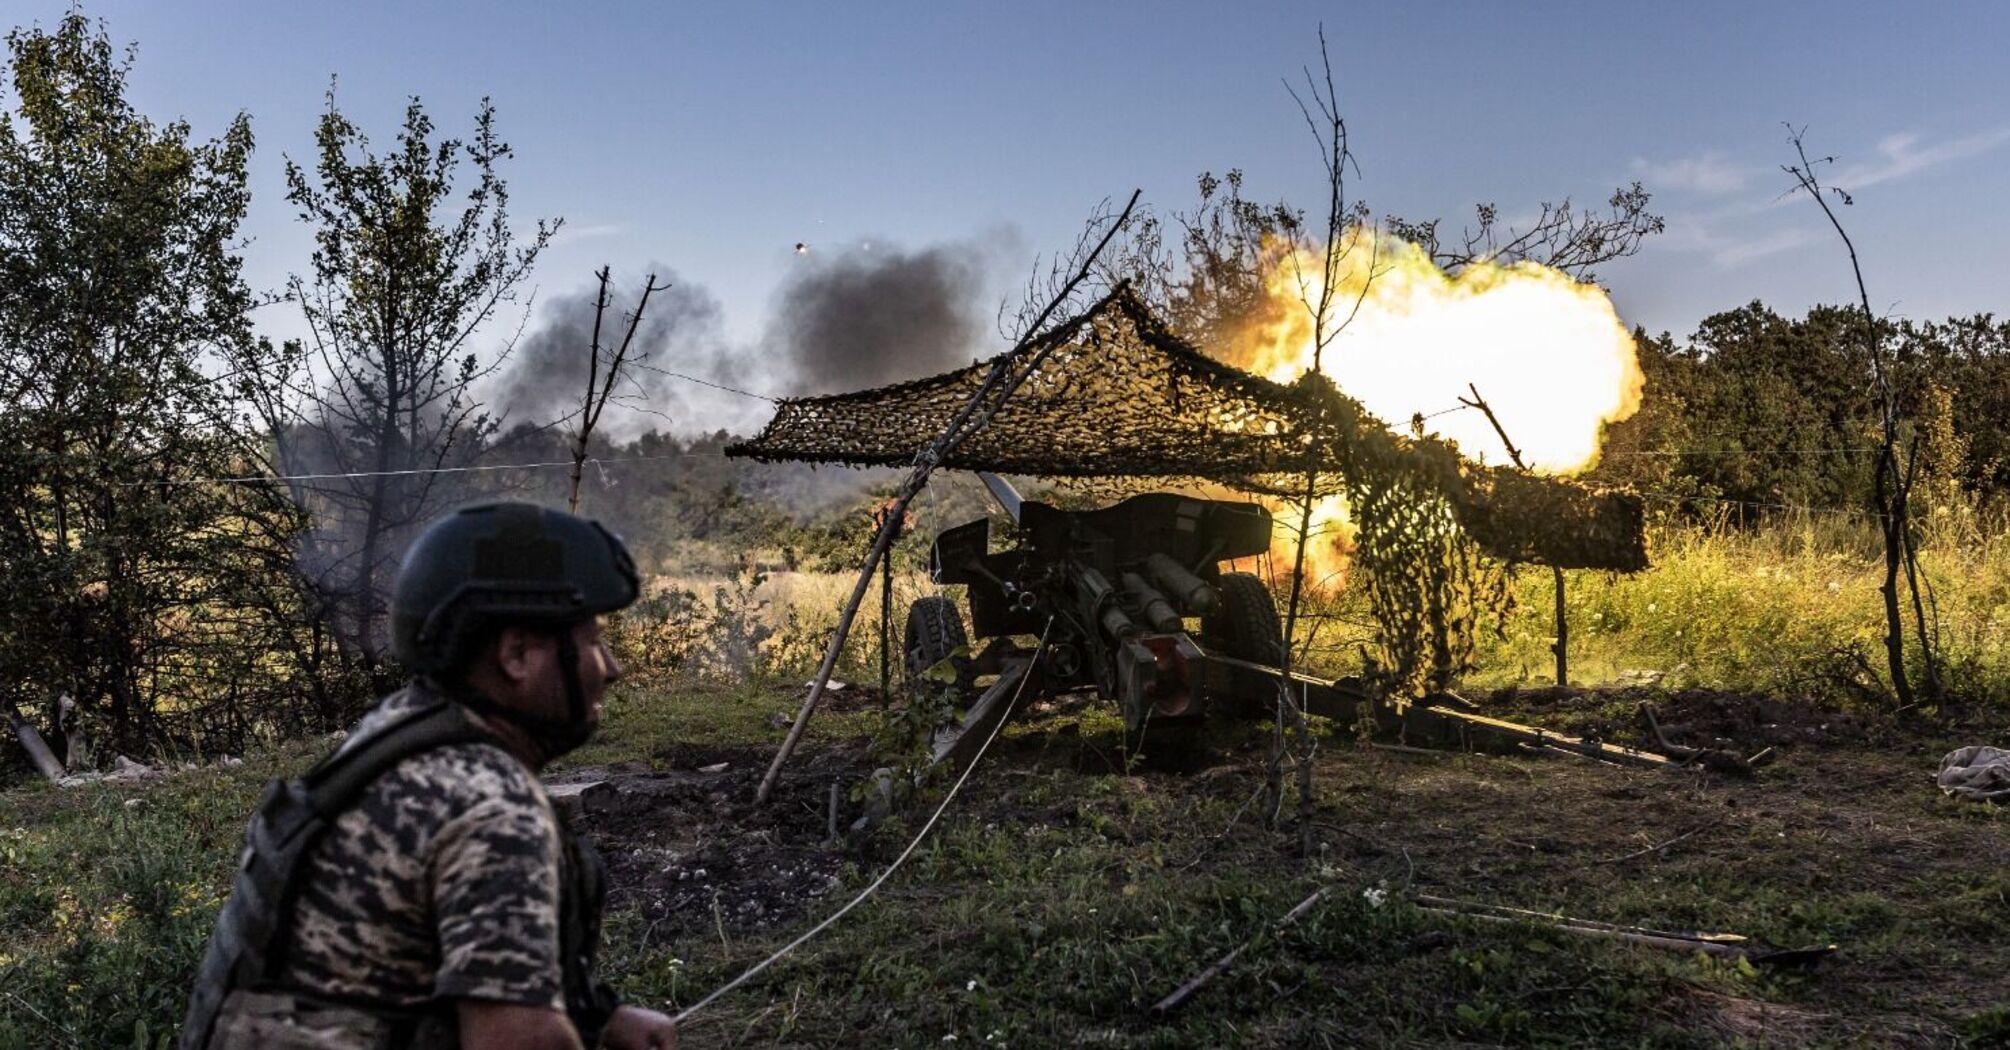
pixel 997 389
pixel 1562 646
pixel 1562 632
pixel 886 627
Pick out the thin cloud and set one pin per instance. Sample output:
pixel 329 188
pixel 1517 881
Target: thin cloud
pixel 1902 155
pixel 1702 234
pixel 1710 173
pixel 568 233
pixel 1726 234
pixel 1735 251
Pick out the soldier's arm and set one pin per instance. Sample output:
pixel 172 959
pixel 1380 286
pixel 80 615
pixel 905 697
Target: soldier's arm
pixel 509 1026
pixel 634 1028
pixel 494 881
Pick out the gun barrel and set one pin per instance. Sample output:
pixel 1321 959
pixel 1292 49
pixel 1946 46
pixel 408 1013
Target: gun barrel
pixel 1192 592
pixel 1002 491
pixel 1097 595
pixel 1158 612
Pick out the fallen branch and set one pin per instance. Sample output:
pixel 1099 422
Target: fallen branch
pixel 1186 991
pixel 1405 749
pixel 1720 944
pixel 1699 829
pixel 1669 942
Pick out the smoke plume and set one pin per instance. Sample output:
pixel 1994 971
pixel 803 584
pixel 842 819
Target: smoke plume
pixel 867 318
pixel 681 332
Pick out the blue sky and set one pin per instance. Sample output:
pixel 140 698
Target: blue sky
pixel 710 138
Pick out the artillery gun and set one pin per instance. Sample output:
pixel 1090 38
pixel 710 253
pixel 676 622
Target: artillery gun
pixel 1117 593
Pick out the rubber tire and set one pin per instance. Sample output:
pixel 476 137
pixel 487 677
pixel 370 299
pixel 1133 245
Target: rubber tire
pixel 934 630
pixel 1243 624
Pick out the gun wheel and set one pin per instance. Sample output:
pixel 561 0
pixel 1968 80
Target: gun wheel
pixel 1243 625
pixel 934 634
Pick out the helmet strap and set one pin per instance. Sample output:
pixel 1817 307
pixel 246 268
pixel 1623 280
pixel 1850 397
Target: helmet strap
pixel 553 736
pixel 575 692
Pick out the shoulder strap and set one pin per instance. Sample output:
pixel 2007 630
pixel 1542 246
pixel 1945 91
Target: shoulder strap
pixel 251 928
pixel 337 782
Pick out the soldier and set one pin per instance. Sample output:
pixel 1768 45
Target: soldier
pixel 416 889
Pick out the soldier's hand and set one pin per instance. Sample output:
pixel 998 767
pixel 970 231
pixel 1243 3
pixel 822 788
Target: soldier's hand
pixel 633 1028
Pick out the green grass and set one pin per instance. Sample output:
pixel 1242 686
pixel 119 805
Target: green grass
pixel 1061 896
pixel 1055 906
pixel 1792 609
pixel 107 893
pixel 1060 899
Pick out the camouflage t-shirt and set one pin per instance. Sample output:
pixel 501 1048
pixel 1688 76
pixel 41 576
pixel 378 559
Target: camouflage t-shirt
pixel 443 881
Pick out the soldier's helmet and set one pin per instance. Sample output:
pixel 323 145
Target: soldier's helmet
pixel 495 565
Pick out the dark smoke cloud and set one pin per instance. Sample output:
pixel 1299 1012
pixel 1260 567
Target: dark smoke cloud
pixel 867 318
pixel 681 331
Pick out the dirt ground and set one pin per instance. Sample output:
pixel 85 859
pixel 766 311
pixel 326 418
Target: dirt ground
pixel 1842 839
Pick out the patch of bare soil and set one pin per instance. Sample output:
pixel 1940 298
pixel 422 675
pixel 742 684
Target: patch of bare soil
pixel 1842 840
pixel 687 849
pixel 1702 718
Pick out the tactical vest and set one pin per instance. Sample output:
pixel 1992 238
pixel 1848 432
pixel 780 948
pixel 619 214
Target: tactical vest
pixel 251 931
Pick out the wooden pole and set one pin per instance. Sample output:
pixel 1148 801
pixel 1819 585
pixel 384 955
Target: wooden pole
pixel 998 387
pixel 1562 646
pixel 886 628
pixel 1186 991
pixel 31 740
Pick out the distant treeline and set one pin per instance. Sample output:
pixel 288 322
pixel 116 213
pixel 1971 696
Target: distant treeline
pixel 198 528
pixel 1757 414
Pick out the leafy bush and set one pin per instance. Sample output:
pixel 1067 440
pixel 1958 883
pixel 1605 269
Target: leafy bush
pixel 658 636
pixel 107 896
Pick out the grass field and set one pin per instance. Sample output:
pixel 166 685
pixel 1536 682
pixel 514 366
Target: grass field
pixel 1066 891
pixel 1062 895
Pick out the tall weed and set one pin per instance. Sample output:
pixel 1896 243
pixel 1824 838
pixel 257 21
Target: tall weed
pixel 107 895
pixel 1790 607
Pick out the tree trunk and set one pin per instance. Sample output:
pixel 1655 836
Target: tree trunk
pixel 1562 632
pixel 364 590
pixel 1889 511
pixel 38 750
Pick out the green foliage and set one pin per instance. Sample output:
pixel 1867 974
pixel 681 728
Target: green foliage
pixel 736 626
pixel 1989 1026
pixel 734 635
pixel 904 743
pixel 410 261
pixel 1789 608
pixel 1763 412
pixel 167 611
pixel 109 893
pixel 658 636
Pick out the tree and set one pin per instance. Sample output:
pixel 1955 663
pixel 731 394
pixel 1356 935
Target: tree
pixel 1563 235
pixel 1896 469
pixel 1762 411
pixel 604 373
pixel 152 602
pixel 401 282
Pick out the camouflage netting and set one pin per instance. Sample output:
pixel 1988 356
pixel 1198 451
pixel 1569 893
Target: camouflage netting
pixel 1117 395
